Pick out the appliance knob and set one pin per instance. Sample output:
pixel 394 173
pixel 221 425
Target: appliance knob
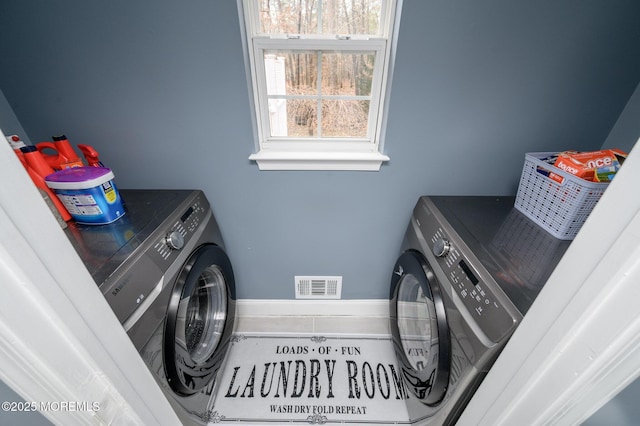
pixel 175 240
pixel 441 247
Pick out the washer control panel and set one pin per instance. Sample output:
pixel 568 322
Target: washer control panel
pixel 174 230
pixel 180 231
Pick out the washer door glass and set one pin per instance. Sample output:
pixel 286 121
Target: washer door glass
pixel 202 314
pixel 419 327
pixel 198 319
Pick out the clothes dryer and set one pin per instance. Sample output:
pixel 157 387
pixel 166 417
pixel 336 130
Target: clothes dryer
pixel 163 270
pixel 469 269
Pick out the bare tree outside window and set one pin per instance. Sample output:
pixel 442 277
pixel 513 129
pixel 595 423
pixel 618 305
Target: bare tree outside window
pixel 327 94
pixel 320 17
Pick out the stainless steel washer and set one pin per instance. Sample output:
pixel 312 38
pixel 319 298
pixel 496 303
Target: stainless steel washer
pixel 469 269
pixel 163 270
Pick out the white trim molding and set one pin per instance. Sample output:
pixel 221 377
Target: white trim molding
pixel 278 160
pixel 360 308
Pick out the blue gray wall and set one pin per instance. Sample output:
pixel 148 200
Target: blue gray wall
pixel 626 131
pixel 159 88
pixel 9 123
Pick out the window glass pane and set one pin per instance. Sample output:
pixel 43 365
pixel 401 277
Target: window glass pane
pixel 320 16
pixel 296 118
pixel 278 120
pixel 291 72
pixel 293 92
pixel 351 17
pixel 347 74
pixel 302 118
pixel 296 73
pixel 344 118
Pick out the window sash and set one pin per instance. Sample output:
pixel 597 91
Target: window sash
pixel 262 44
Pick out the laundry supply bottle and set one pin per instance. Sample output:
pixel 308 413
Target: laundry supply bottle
pixel 91 155
pixel 38 169
pixel 16 144
pixel 64 156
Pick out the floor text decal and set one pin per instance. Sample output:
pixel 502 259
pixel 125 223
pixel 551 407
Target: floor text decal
pixel 311 380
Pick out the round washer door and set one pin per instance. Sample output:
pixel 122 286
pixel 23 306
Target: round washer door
pixel 419 327
pixel 199 320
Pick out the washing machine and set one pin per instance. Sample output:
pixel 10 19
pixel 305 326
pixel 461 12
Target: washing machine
pixel 163 270
pixel 469 270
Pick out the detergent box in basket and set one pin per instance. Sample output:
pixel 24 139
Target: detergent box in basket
pixel 88 193
pixel 594 166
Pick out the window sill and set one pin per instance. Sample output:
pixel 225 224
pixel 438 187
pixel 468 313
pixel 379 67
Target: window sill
pixel 354 161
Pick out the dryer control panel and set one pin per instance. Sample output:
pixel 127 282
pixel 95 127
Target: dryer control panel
pixel 474 292
pixel 466 275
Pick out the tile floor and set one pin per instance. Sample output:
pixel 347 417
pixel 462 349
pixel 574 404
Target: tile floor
pixel 350 325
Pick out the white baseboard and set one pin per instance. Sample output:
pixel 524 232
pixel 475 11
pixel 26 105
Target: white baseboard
pixel 269 307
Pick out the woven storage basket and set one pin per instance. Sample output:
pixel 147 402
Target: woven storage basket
pixel 560 208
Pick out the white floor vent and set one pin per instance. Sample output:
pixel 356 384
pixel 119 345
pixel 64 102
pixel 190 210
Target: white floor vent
pixel 308 287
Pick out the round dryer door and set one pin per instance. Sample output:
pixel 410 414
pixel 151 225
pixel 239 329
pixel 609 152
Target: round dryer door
pixel 199 320
pixel 419 328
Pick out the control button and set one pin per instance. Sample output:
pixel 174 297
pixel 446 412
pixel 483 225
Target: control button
pixel 441 247
pixel 175 240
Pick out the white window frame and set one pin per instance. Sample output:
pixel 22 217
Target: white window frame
pixel 278 153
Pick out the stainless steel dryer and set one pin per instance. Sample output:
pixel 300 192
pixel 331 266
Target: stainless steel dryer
pixel 163 270
pixel 469 269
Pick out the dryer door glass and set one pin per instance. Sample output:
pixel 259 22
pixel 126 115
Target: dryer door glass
pixel 199 320
pixel 419 327
pixel 417 324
